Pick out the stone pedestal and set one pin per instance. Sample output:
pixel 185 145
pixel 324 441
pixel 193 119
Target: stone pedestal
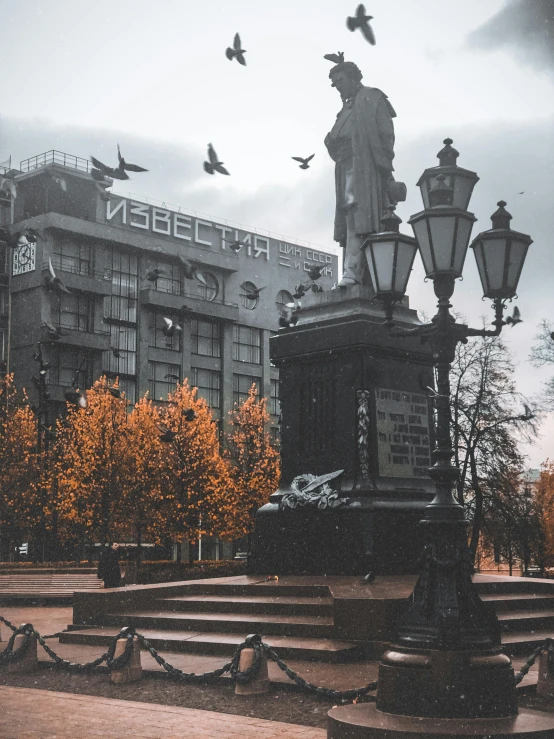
pixel 365 721
pixel 28 662
pixel 133 669
pixel 260 683
pixel 352 398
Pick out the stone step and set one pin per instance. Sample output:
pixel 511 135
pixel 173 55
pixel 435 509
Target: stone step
pixel 282 625
pixel 519 601
pixel 249 604
pixel 261 587
pixel 522 643
pixel 515 585
pixel 224 644
pixel 515 621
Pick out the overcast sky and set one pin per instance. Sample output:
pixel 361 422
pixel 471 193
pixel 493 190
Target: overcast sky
pixel 80 76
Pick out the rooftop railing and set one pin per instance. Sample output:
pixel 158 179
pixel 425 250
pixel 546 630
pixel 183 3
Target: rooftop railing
pixel 55 157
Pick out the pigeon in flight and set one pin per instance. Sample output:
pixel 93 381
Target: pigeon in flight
pixel 304 161
pixel 117 173
pixel 361 21
pixel 235 244
pixel 301 289
pixel 18 239
pixel 72 395
pixel 115 392
pixel 116 352
pixel 190 270
pixel 54 332
pixel 315 270
pixel 552 335
pixel 172 376
pixel 167 435
pixel 287 315
pixel 515 317
pixel 61 182
pixel 214 165
pixel 236 52
pixel 8 187
pixel 170 328
pixel 252 293
pixel 53 282
pixel 152 275
pixel 528 415
pixel 189 414
pixel 337 58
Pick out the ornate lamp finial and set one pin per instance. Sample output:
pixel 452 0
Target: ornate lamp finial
pixel 448 155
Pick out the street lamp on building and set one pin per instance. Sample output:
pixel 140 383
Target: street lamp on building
pixel 447 661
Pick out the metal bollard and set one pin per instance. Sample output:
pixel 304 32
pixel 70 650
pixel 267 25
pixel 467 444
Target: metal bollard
pixel 28 662
pixel 260 683
pixel 545 683
pixel 133 669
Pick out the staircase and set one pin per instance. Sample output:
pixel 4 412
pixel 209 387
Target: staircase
pixel 298 620
pixel 525 609
pixel 46 587
pixel 214 619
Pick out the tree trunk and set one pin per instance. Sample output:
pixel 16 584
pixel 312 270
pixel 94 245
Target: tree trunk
pixel 478 515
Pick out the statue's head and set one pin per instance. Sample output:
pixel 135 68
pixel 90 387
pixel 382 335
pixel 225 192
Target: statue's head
pixel 347 78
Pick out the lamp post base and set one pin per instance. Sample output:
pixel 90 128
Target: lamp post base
pixel 366 721
pixel 447 683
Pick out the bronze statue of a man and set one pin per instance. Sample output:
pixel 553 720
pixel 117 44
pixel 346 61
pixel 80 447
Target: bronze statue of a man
pixel 362 145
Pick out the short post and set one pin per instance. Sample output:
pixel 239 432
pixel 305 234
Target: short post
pixel 28 661
pixel 133 669
pixel 545 682
pixel 260 681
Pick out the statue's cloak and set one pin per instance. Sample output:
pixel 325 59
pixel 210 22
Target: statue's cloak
pixel 372 133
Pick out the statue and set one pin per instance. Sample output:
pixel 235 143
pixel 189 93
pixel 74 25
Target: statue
pixel 361 143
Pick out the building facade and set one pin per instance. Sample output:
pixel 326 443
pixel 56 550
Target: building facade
pixel 106 251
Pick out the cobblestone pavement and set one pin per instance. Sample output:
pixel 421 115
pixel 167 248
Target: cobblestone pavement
pixel 26 713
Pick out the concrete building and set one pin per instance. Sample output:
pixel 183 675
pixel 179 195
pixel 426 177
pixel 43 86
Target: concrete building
pixel 104 250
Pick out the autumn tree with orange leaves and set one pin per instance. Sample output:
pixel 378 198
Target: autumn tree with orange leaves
pixel 92 464
pixel 545 503
pixel 197 493
pixel 254 463
pixel 19 465
pixel 142 503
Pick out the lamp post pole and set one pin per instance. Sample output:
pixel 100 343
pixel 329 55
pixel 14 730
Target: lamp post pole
pixel 447 660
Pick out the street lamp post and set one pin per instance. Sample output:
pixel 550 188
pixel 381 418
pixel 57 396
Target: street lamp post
pixel 447 660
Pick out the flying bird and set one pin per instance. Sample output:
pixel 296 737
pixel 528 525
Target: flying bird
pixel 152 275
pixel 115 352
pixel 528 415
pixel 190 270
pixel 287 315
pixel 172 376
pixel 369 578
pixel 170 328
pixel 17 239
pixel 235 244
pixel 252 293
pixel 301 289
pixel 361 21
pixel 8 187
pixel 214 165
pixel 115 392
pixel 515 317
pixel 315 288
pixel 552 335
pixel 72 395
pixel 53 282
pixel 167 435
pixel 304 161
pixel 315 270
pixel 189 414
pixel 236 52
pixel 117 173
pixel 61 182
pixel 337 58
pixel 54 332
pixel 31 235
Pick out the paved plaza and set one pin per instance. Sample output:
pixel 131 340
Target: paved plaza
pixel 42 714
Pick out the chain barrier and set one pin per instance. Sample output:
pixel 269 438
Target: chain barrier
pixel 252 642
pixel 548 644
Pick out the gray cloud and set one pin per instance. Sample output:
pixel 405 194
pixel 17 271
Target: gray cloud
pixel 524 27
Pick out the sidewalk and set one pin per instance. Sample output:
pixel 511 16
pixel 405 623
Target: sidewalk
pixel 26 713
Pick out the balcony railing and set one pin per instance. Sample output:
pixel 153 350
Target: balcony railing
pixel 55 157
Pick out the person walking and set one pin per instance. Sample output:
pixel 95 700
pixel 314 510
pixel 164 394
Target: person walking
pixel 108 567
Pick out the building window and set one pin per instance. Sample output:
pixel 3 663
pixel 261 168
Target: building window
pixel 72 256
pixel 156 336
pixel 121 305
pixel 73 311
pixel 283 297
pixel 122 357
pixel 210 290
pixel 162 379
pixel 242 385
pixel 3 258
pixel 206 338
pixel 274 403
pixel 170 281
pixel 208 383
pixel 70 367
pixel 245 289
pixel 3 338
pixel 247 343
pixel 4 302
